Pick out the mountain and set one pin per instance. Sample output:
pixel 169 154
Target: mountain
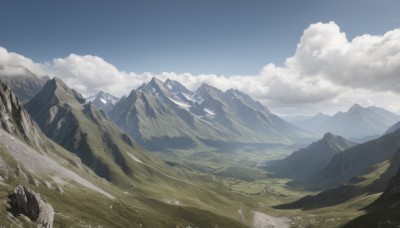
pixel 22 82
pixel 65 117
pixel 393 128
pixel 308 161
pixel 385 210
pixel 15 120
pixel 104 101
pixel 356 160
pixel 359 122
pixel 310 123
pixel 28 157
pixel 141 182
pixel 166 115
pixel 154 196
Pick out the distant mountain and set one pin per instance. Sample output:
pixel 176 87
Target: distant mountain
pixel 311 123
pixel 307 162
pixel 22 82
pixel 393 128
pixel 169 116
pixel 104 101
pixel 359 122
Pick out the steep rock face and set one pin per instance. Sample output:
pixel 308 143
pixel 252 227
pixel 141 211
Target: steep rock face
pixel 27 202
pixel 15 120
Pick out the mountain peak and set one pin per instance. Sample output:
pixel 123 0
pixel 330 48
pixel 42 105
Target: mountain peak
pixel 206 87
pixel 104 101
pixel 56 87
pixel 329 135
pixel 155 80
pixel 176 86
pixel 355 107
pixel 153 84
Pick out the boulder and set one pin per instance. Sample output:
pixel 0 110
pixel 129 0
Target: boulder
pixel 29 203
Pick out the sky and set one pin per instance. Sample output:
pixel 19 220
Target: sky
pixel 297 57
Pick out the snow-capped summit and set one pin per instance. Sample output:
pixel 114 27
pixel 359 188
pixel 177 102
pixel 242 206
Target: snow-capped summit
pixel 176 87
pixel 104 101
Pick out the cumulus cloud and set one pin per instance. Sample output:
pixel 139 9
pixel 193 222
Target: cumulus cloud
pixel 88 74
pixel 326 69
pixel 11 63
pixel 369 62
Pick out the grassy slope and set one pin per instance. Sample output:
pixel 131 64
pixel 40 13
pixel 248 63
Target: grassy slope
pixel 145 205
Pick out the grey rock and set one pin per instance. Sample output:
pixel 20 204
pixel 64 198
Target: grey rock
pixel 15 120
pixel 29 203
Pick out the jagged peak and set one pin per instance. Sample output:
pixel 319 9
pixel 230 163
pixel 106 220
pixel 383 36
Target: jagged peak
pixel 141 87
pixel 246 98
pixel 206 87
pixel 155 80
pixel 56 83
pixel 176 86
pixel 154 83
pixel 57 87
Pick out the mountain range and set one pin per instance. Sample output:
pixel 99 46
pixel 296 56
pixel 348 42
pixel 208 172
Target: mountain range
pixel 87 158
pixel 356 123
pixel 92 172
pixel 166 115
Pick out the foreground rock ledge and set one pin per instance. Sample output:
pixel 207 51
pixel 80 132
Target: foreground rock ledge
pixel 27 202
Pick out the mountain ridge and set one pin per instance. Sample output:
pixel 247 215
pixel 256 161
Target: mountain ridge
pixel 199 116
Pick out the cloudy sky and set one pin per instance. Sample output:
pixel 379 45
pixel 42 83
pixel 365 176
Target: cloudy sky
pixel 297 57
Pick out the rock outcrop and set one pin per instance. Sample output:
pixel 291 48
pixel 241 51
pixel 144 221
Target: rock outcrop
pixel 29 203
pixel 15 120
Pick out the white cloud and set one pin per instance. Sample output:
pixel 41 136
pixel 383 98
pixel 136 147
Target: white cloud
pixel 12 63
pixel 369 62
pixel 327 69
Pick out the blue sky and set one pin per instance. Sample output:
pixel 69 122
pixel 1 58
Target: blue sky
pixel 223 37
pixel 295 56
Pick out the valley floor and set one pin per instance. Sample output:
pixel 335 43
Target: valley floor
pixel 242 173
